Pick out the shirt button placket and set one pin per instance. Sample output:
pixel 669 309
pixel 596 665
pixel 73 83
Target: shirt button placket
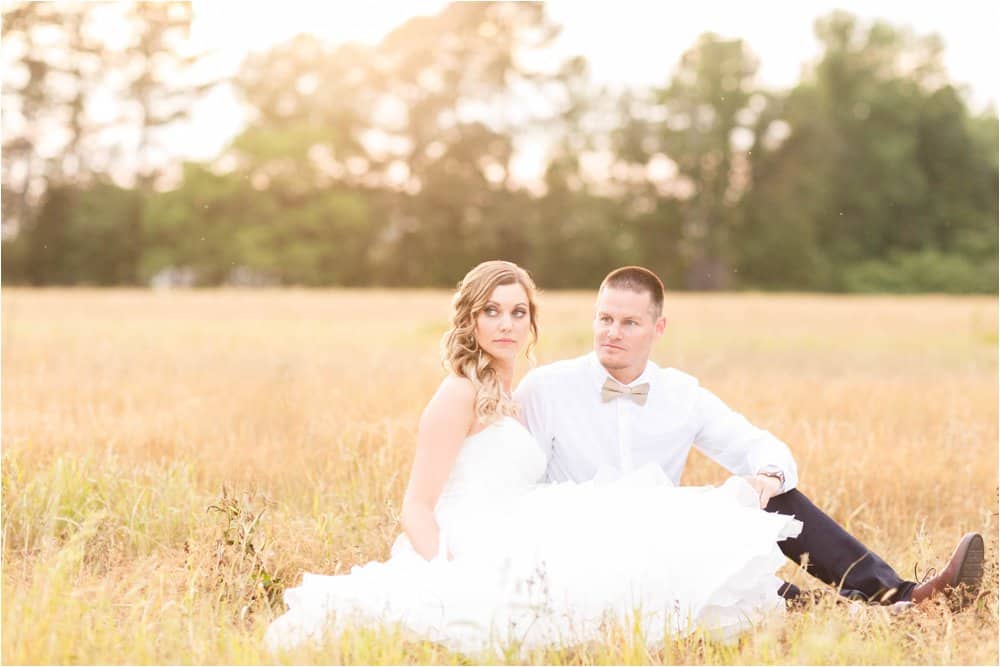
pixel 624 435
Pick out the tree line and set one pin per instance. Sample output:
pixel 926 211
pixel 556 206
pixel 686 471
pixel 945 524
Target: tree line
pixel 392 164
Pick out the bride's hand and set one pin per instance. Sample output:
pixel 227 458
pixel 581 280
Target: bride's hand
pixel 764 486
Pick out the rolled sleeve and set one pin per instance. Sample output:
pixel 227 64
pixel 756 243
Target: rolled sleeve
pixel 728 438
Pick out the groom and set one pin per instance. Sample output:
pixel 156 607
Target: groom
pixel 615 409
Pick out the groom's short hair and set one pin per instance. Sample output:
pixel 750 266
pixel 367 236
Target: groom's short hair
pixel 640 280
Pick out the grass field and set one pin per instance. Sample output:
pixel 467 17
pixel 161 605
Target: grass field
pixel 143 433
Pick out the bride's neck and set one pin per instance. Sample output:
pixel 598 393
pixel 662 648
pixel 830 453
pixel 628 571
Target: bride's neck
pixel 505 374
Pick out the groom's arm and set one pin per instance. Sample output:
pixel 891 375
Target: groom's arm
pixel 728 438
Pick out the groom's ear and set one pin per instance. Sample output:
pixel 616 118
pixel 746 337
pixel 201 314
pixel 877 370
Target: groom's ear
pixel 661 325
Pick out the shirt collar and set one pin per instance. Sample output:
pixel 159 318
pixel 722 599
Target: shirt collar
pixel 599 373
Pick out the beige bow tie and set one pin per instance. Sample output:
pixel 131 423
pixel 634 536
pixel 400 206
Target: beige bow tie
pixel 612 390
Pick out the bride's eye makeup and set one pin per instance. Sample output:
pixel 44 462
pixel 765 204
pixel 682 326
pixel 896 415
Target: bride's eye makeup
pixel 493 311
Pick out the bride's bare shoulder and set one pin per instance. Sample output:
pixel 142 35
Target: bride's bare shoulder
pixel 456 387
pixel 455 396
pixel 450 414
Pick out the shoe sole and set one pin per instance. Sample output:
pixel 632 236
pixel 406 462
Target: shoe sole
pixel 970 574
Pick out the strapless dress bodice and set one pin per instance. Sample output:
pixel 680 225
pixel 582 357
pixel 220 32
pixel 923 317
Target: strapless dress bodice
pixel 500 461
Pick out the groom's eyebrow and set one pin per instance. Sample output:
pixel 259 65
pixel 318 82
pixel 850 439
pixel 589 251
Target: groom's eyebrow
pixel 625 316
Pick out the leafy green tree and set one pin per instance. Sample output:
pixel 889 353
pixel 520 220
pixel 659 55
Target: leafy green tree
pixel 392 164
pixel 68 223
pixel 193 225
pixel 53 62
pixel 706 103
pixel 446 75
pixel 700 124
pixel 158 72
pixel 220 225
pixel 107 233
pixel 879 157
pixel 48 242
pixel 393 124
pixel 90 236
pixel 776 244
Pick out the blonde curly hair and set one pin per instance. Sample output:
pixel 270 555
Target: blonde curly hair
pixel 461 353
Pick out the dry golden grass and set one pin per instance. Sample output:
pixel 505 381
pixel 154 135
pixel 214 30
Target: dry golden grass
pixel 126 414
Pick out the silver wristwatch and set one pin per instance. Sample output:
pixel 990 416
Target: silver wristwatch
pixel 775 472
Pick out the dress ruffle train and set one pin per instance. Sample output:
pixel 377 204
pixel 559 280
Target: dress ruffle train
pixel 552 565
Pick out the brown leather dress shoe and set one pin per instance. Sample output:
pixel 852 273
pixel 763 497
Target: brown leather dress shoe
pixel 960 578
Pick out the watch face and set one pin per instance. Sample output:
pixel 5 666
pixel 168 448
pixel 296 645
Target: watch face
pixel 778 475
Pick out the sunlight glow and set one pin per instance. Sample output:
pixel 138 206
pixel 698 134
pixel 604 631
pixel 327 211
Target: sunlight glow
pixel 628 43
pixel 239 27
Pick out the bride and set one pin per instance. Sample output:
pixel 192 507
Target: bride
pixel 489 558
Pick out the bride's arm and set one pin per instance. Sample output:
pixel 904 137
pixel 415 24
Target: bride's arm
pixel 446 421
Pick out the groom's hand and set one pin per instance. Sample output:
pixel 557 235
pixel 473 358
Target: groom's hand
pixel 766 487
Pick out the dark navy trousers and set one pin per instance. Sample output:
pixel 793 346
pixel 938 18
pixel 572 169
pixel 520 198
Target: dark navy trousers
pixel 834 556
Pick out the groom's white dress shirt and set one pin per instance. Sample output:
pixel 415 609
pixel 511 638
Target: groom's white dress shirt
pixel 583 436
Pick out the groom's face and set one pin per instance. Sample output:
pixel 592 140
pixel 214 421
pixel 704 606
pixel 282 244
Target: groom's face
pixel 625 327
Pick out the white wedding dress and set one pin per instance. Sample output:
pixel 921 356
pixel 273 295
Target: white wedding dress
pixel 552 564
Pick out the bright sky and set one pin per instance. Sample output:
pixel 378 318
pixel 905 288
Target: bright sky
pixel 625 42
